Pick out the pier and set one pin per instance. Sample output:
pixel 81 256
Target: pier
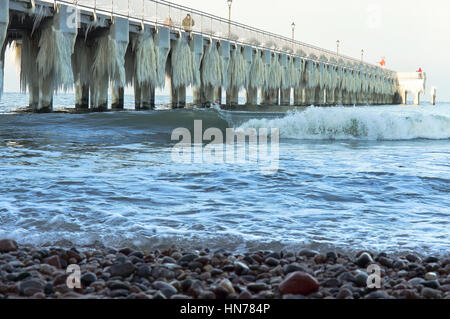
pixel 99 47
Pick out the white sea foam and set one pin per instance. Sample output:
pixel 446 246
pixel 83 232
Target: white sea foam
pixel 362 123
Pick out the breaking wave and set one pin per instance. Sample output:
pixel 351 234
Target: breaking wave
pixel 361 123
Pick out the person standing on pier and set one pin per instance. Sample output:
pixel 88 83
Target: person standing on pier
pixel 188 23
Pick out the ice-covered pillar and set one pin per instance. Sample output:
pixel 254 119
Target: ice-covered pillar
pixel 417 98
pixel 251 93
pixel 120 34
pixel 109 65
pixel 196 45
pixel 211 73
pixel 117 97
pixel 4 21
pixel 56 45
pixel 224 53
pixel 285 92
pixel 81 68
pixel 232 92
pixel 298 90
pixel 141 64
pixel 178 97
pixel 162 46
pixel 433 95
pixel 81 96
pixel 265 91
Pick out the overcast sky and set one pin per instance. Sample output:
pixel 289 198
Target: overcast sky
pixel 409 33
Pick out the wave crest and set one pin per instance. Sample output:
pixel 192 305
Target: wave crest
pixel 367 123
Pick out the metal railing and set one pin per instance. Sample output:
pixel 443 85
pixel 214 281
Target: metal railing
pixel 167 14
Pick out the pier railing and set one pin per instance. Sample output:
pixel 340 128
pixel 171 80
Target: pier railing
pixel 171 15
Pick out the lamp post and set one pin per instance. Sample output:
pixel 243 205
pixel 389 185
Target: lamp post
pixel 293 31
pixel 362 55
pixel 230 2
pixel 293 34
pixel 337 46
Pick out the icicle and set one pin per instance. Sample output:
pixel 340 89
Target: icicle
pixel 197 56
pixel 211 70
pixel 257 77
pixel 162 54
pixel 145 60
pixel 322 76
pixel 275 74
pixel 237 70
pixel 81 63
pixel 54 57
pixel 25 56
pixel 3 29
pixel 39 14
pixel 130 61
pixel 182 64
pixel 108 66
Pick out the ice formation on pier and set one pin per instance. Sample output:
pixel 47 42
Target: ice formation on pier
pixel 274 74
pixel 162 53
pixel 182 64
pixel 197 56
pixel 3 29
pixel 81 62
pixel 257 76
pixel 211 71
pixel 108 66
pixel 54 59
pixel 237 70
pixel 224 63
pixel 145 60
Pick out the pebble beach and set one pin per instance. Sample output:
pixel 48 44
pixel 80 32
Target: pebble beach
pixel 40 273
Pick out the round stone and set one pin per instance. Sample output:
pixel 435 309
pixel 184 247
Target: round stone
pixel 431 276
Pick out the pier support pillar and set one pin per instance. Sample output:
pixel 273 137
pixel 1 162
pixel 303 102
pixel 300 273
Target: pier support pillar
pixel 265 91
pixel 330 97
pixel 178 97
pixel 252 96
pixel 148 97
pixel 271 96
pixel 196 45
pixel 81 96
pixel 404 97
pixel 117 97
pixel 114 74
pixel 338 97
pixel 416 98
pixel 206 96
pixel 52 61
pixel 2 65
pixel 232 96
pixel 433 95
pixel 4 21
pixel 144 97
pixel 34 95
pixel 81 69
pixel 285 97
pixel 224 53
pixel 298 96
pixel 198 96
pixel 251 93
pixel 218 95
pixel 308 96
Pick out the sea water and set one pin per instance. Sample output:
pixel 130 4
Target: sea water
pixel 349 178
